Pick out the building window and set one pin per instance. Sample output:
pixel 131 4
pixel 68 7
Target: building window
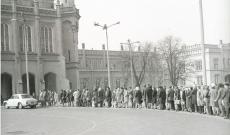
pixel 216 77
pixel 199 80
pixel 198 65
pixel 4 37
pixel 25 38
pixel 46 40
pixel 215 62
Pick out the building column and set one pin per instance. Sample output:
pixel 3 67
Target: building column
pixel 17 81
pixel 39 74
pixel 62 82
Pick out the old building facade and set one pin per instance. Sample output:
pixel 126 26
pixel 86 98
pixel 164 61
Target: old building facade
pixel 38 26
pixel 93 69
pixel 217 63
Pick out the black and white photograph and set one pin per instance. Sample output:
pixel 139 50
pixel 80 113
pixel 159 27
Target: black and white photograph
pixel 115 67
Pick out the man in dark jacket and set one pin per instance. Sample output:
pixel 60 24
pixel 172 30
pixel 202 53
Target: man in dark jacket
pixel 149 96
pixel 154 100
pixel 161 97
pixel 108 96
pixel 100 97
pixel 170 98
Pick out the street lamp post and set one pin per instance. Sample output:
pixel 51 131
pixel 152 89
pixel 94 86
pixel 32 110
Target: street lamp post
pixel 105 27
pixel 129 43
pixel 202 44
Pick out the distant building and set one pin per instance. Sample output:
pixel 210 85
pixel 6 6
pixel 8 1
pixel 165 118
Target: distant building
pixel 217 63
pixel 93 69
pixel 51 34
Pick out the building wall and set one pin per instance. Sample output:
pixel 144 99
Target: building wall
pixel 39 14
pixel 217 74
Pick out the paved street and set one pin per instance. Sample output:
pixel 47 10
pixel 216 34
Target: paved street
pixel 103 121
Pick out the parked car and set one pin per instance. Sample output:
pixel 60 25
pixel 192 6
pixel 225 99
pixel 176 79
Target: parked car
pixel 20 101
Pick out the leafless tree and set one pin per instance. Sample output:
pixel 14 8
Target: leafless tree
pixel 173 56
pixel 141 61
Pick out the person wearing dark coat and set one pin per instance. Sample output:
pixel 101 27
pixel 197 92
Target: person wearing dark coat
pixel 108 96
pixel 161 97
pixel 138 97
pixel 177 98
pixel 154 100
pixel 149 96
pixel 188 94
pixel 170 98
pixel 100 97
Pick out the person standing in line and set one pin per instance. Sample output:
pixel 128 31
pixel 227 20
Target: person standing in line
pixel 108 97
pixel 154 100
pixel 100 97
pixel 200 100
pixel 207 100
pixel 126 98
pixel 138 97
pixel 55 98
pixel 130 97
pixel 170 98
pixel 194 99
pixel 213 96
pixel 183 99
pixel 188 99
pixel 219 98
pixel 114 98
pixel 226 100
pixel 160 94
pixel 144 91
pixel 95 98
pixel 177 98
pixel 149 96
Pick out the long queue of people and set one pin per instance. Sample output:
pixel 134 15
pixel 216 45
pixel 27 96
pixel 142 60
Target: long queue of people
pixel 211 100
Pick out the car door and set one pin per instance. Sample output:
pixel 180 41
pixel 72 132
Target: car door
pixel 16 100
pixel 10 101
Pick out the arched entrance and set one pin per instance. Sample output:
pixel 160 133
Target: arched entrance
pixel 50 81
pixel 6 86
pixel 31 82
pixel 227 78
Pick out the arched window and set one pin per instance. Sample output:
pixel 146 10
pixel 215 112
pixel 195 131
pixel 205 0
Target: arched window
pixel 4 37
pixel 46 40
pixel 25 38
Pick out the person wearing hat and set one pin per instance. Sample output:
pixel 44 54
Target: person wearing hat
pixel 213 96
pixel 226 100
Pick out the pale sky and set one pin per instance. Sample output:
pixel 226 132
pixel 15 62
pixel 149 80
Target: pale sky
pixel 152 20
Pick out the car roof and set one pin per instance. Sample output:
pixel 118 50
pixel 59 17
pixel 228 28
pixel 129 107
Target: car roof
pixel 20 94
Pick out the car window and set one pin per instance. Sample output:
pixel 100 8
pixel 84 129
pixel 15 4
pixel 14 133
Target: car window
pixel 26 96
pixel 16 97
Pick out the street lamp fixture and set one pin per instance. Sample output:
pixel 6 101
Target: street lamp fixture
pixel 105 27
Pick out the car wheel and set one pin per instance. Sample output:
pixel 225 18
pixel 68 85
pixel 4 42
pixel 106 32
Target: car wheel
pixel 7 107
pixel 33 106
pixel 20 106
